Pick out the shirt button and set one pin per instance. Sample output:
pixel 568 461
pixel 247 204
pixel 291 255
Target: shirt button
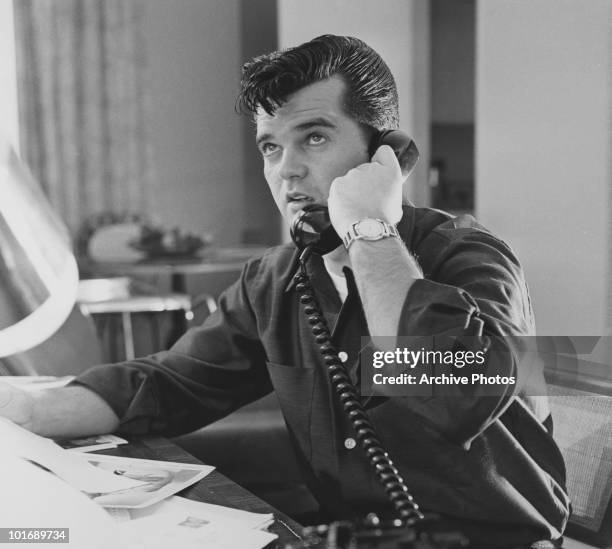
pixel 350 443
pixel 342 356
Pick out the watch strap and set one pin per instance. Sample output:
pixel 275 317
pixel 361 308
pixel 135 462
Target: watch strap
pixel 386 230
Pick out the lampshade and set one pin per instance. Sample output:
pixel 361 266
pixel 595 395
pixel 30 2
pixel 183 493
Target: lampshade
pixel 38 272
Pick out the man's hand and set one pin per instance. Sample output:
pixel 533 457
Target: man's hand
pixel 369 190
pixel 384 270
pixel 16 405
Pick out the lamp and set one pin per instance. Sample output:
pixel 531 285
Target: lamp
pixel 38 272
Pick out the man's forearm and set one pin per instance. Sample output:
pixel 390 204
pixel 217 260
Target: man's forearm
pixel 384 272
pixel 71 412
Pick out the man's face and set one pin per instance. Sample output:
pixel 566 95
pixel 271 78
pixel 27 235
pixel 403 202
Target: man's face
pixel 307 143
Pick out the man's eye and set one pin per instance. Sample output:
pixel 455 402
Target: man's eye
pixel 267 149
pixel 316 139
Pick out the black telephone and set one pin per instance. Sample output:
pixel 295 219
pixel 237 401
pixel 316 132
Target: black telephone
pixel 311 230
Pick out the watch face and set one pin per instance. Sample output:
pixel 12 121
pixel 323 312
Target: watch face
pixel 370 228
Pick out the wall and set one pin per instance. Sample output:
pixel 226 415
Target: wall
pixel 194 55
pixel 399 31
pixel 544 142
pixel 452 61
pixel 453 36
pixel 262 221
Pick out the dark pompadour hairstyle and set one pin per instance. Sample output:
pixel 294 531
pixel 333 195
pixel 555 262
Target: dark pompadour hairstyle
pixel 371 96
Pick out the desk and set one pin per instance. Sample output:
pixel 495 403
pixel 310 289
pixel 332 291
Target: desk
pixel 214 488
pixel 218 260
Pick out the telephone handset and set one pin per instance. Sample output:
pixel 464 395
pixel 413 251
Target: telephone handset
pixel 312 226
pixel 311 230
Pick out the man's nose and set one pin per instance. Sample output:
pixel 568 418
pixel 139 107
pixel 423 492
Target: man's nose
pixel 293 164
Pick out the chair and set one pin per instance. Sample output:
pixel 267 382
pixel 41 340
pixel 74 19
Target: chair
pixel 582 415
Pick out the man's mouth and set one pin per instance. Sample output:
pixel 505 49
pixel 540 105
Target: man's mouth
pixel 293 197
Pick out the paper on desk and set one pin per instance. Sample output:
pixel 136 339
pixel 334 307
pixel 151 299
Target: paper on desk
pixel 160 479
pixel 69 466
pixel 244 519
pixel 182 529
pixel 34 498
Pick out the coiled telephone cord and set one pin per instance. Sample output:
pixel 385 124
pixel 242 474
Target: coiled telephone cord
pixel 384 470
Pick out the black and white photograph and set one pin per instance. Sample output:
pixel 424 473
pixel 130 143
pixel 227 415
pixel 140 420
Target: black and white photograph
pixel 344 264
pixel 91 444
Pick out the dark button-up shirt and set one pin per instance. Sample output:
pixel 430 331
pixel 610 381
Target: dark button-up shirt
pixel 487 462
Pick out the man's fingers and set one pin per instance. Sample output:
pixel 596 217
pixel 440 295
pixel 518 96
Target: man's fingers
pixel 384 155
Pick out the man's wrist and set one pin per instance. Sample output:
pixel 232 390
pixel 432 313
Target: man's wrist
pixel 391 245
pixel 386 255
pixel 370 229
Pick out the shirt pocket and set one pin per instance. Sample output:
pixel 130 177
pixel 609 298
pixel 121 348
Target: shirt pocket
pixel 294 388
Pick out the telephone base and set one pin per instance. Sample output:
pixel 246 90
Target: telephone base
pixel 370 534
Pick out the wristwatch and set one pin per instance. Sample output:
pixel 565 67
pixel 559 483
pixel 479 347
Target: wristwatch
pixel 369 228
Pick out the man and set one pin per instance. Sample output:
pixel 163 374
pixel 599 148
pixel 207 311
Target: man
pixel 487 465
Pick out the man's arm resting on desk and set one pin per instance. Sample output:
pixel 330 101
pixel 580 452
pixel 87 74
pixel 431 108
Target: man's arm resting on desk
pixel 63 412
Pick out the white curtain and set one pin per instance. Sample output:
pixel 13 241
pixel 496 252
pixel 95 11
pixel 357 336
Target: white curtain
pixel 83 102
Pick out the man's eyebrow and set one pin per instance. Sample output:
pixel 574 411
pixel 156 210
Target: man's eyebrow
pixel 307 125
pixel 315 122
pixel 262 137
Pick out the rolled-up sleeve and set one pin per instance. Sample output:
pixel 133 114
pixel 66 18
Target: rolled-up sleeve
pixel 209 372
pixel 474 291
pixel 472 275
